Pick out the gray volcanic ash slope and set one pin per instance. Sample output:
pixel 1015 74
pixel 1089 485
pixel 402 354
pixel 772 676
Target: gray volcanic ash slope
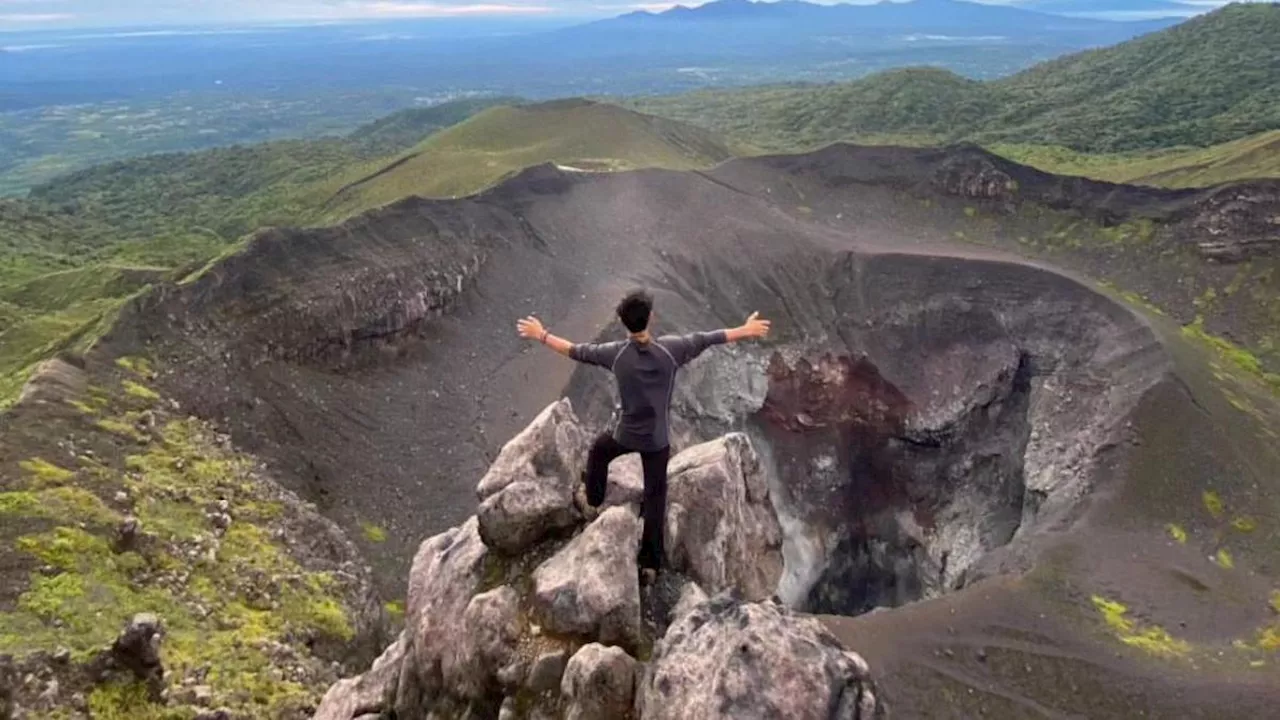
pixel 940 421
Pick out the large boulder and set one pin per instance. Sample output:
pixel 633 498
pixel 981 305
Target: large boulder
pixel 599 682
pixel 734 660
pixel 527 493
pixel 722 529
pixel 591 587
pixel 446 574
pixel 368 693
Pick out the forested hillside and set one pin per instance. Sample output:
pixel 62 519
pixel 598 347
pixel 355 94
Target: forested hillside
pixel 1212 79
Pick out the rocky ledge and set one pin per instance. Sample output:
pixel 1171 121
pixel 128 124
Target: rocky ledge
pixel 530 610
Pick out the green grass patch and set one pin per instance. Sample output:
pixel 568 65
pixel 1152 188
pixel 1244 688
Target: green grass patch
pixel 373 532
pixel 44 472
pixel 129 701
pixel 63 504
pixel 1232 353
pixel 1151 639
pixel 140 391
pixel 395 610
pixel 135 364
pixel 122 427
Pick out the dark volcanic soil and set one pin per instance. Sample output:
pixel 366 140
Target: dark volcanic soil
pixel 934 412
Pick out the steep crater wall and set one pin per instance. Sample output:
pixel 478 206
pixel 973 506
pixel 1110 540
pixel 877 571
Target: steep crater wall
pixel 925 421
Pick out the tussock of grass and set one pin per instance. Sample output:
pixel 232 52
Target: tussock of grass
pixel 140 391
pixel 373 533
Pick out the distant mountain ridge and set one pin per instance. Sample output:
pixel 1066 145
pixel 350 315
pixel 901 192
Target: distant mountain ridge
pixel 1212 79
pixel 814 38
pixel 884 15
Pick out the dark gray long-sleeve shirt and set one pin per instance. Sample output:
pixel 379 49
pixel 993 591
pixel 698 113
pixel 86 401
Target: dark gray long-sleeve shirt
pixel 646 376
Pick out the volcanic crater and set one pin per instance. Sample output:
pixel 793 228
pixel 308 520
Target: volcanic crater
pixel 935 415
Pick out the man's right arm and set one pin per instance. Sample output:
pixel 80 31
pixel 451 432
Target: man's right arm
pixel 754 327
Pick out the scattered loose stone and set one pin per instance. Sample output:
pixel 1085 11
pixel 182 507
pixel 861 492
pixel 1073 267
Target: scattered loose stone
pixel 547 670
pixel 127 533
pixel 599 682
pixel 137 649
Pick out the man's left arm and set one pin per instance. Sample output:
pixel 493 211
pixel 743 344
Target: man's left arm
pixel 688 347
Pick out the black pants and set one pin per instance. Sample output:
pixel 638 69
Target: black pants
pixel 653 508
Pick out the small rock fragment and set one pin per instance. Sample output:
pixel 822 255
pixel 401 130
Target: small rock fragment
pixel 512 676
pixel 137 649
pixel 547 670
pixel 127 534
pixel 599 682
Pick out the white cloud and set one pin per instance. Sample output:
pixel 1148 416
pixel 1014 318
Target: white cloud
pixel 35 17
pixel 404 9
pixel 651 7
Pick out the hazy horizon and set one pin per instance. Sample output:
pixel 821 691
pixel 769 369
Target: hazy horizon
pixel 37 15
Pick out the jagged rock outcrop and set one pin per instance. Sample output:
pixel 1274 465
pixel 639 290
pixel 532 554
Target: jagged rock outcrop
pixel 974 175
pixel 1238 222
pixel 512 623
pixel 739 661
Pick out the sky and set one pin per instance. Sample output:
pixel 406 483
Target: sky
pixel 39 14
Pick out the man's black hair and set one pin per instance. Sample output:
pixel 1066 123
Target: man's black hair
pixel 634 310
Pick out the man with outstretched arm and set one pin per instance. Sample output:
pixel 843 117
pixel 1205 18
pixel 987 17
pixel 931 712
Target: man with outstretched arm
pixel 645 370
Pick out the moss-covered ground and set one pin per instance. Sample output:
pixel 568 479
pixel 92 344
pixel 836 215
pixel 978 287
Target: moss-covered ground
pixel 239 611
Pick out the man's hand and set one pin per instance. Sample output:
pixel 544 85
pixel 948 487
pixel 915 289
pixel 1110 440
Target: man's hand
pixel 531 327
pixel 754 327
